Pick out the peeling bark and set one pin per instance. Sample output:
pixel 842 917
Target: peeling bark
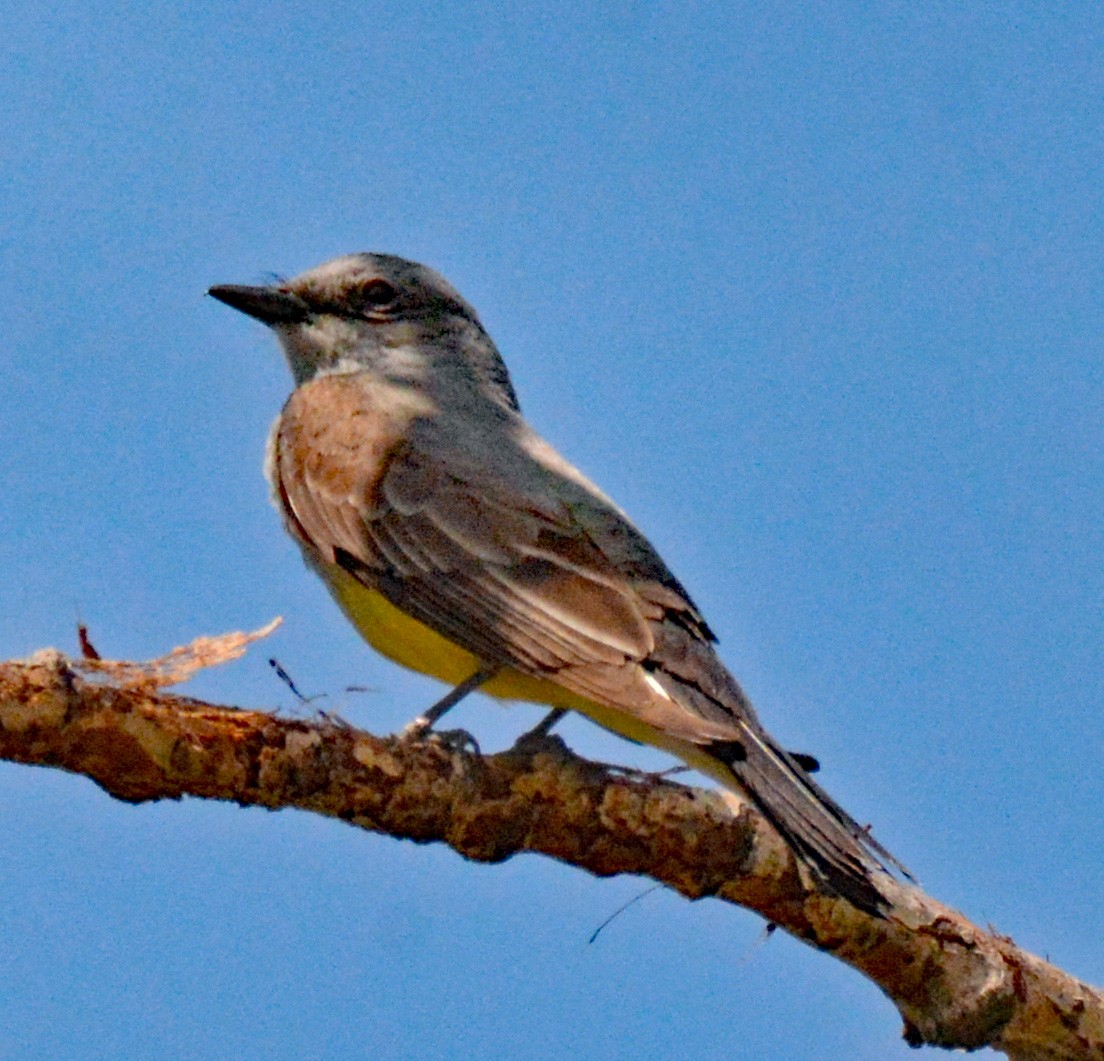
pixel 954 984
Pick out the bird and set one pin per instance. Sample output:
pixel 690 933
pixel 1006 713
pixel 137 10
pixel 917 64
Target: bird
pixel 462 545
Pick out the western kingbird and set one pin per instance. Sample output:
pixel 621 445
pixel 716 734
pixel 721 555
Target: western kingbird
pixel 462 545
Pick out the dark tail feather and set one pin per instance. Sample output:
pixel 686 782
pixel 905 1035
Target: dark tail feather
pixel 839 852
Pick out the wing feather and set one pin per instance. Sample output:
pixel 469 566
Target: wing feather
pixel 516 558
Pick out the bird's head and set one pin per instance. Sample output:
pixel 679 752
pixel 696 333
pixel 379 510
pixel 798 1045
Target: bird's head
pixel 377 313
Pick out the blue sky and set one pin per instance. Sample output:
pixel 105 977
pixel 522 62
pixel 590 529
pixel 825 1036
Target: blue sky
pixel 815 294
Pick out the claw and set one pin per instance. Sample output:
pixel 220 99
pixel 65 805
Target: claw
pixel 540 731
pixel 456 740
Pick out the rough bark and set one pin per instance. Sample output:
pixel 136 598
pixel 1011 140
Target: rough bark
pixel 954 984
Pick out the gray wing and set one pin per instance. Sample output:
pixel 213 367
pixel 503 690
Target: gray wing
pixel 515 562
pixel 524 565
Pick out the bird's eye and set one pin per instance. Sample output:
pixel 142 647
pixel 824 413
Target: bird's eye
pixel 377 293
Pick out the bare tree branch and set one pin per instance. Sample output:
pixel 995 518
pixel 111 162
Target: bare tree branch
pixel 954 984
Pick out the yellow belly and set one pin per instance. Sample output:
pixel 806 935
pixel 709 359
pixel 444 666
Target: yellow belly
pixel 412 644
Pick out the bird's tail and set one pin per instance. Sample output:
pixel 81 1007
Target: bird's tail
pixel 839 852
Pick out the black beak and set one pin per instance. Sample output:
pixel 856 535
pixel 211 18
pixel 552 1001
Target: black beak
pixel 266 304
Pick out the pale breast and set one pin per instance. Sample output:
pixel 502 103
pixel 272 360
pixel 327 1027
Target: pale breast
pixel 329 451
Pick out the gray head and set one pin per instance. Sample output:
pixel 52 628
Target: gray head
pixel 381 314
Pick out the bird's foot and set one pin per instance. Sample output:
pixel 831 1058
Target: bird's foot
pixel 533 738
pixel 455 740
pixel 416 729
pixel 646 775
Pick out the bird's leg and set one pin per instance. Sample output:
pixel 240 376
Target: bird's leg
pixel 420 726
pixel 541 729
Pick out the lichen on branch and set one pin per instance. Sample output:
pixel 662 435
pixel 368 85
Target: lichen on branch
pixel 954 984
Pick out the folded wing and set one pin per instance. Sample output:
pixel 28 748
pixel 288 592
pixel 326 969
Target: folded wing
pixel 517 559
